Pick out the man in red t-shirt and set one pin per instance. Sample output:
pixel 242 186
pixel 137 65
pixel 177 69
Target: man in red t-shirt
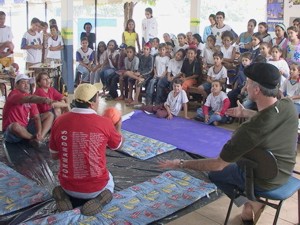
pixel 79 140
pixel 18 108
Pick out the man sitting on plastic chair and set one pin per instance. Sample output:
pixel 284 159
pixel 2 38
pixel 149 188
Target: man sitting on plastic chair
pixel 273 127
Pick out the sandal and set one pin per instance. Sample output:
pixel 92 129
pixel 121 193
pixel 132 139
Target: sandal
pixel 258 214
pixel 141 83
pixel 120 98
pixel 128 100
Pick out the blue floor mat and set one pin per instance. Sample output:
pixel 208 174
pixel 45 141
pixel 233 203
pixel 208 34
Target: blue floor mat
pixel 142 147
pixel 142 203
pixel 17 191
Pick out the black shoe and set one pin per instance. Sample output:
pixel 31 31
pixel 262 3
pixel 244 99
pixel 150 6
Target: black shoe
pixel 95 205
pixel 198 118
pixel 229 120
pixel 109 98
pixel 62 200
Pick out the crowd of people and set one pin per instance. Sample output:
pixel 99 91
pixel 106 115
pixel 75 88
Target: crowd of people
pixel 263 70
pixel 221 55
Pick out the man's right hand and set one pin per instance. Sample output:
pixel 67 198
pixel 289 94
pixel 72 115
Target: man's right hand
pixel 236 111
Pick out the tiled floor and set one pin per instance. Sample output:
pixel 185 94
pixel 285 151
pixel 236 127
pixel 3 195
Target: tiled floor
pixel 215 212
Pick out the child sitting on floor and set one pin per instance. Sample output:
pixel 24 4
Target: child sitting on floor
pixel 217 102
pixel 175 101
pixel 45 90
pixel 216 72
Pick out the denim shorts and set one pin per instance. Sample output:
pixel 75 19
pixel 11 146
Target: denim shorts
pixel 207 87
pixel 12 138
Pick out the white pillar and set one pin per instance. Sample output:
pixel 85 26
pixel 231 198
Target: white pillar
pixel 67 34
pixel 195 16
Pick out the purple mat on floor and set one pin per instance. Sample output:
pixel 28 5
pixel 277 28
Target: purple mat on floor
pixel 188 135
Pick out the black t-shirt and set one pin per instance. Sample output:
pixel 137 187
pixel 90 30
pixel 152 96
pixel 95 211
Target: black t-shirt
pixel 190 69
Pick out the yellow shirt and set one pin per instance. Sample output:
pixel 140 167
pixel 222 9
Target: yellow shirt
pixel 130 38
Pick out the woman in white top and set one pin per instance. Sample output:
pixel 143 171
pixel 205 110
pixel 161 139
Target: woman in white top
pixel 149 26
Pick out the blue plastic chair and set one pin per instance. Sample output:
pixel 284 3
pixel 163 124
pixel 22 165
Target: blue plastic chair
pixel 263 165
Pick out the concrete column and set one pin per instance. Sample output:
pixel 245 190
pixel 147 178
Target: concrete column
pixel 67 34
pixel 195 16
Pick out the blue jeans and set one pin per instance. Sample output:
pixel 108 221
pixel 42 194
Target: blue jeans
pixel 228 179
pixel 161 95
pixel 12 138
pixel 297 107
pixel 212 117
pixel 85 73
pixel 150 90
pixel 104 75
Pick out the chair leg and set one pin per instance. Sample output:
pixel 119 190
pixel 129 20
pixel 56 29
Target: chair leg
pixel 229 211
pixel 277 212
pixel 298 206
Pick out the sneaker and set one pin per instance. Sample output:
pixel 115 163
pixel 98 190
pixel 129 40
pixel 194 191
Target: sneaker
pixel 62 200
pixel 96 204
pixel 198 118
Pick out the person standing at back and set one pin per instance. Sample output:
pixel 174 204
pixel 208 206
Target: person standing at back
pixel 5 36
pixel 129 36
pixel 89 35
pixel 32 44
pixel 207 30
pixel 149 26
pixel 220 27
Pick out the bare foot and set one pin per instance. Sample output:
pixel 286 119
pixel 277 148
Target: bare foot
pixel 121 97
pixel 247 213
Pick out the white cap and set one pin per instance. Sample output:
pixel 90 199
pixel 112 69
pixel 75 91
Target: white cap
pixel 21 77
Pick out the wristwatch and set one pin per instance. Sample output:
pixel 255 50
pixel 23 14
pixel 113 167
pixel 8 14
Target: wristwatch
pixel 181 163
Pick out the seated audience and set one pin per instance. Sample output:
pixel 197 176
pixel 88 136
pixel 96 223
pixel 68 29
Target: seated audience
pixel 19 106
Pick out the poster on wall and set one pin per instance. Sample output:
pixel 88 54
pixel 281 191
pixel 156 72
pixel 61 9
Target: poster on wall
pixel 292 10
pixel 274 13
